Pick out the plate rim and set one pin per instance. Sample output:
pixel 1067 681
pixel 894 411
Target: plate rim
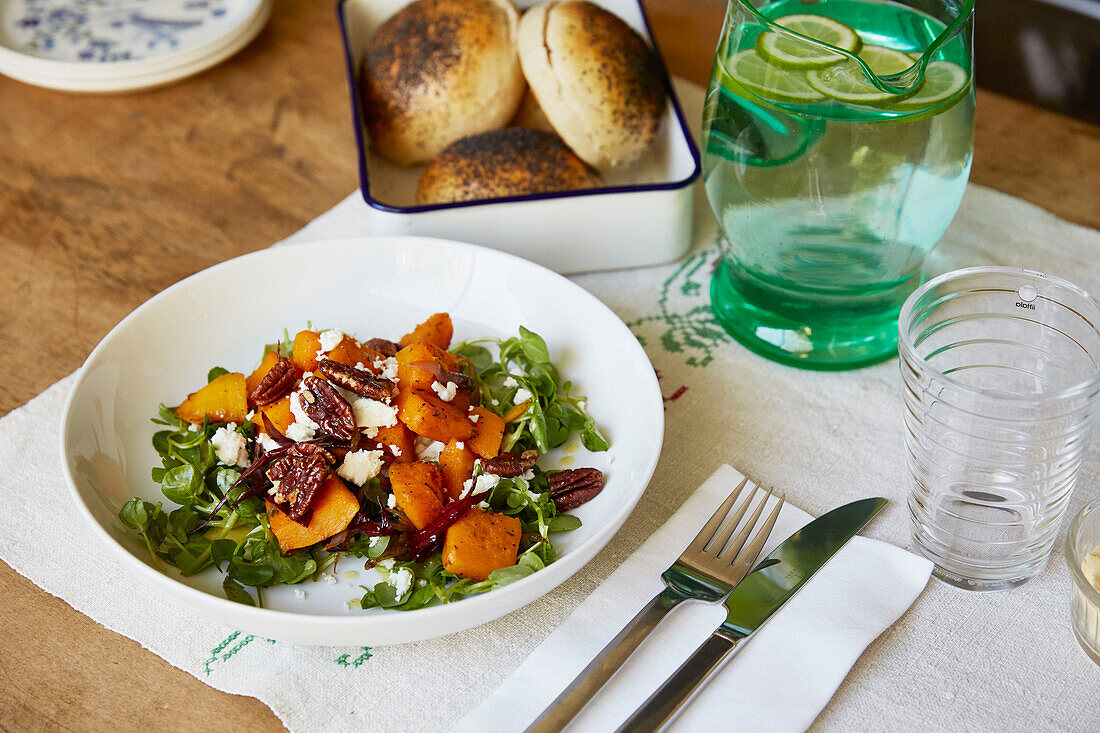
pixel 492 605
pixel 112 69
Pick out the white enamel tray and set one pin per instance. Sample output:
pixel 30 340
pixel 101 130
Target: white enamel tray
pixel 641 216
pixel 371 287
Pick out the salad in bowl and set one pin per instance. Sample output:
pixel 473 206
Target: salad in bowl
pixel 417 458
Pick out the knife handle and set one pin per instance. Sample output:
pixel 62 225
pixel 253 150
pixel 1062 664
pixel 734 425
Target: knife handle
pixel 592 678
pixel 679 689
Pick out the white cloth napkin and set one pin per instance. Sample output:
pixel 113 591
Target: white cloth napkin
pixel 780 680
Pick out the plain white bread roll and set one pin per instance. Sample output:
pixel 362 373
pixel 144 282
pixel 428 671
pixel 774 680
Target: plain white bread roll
pixel 437 71
pixel 596 80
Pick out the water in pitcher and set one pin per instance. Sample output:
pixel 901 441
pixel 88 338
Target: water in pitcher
pixel 830 193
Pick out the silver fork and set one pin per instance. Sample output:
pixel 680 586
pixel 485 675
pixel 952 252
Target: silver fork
pixel 707 571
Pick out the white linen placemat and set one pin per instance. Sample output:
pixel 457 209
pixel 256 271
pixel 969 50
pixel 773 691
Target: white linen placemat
pixel 779 682
pixel 955 661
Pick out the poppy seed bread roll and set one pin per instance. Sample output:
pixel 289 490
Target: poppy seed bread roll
pixel 597 81
pixel 514 161
pixel 437 71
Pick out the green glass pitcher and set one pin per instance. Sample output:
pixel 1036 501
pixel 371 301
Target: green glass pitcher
pixel 837 140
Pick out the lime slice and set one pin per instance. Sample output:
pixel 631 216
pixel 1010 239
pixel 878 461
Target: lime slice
pixel 942 80
pixel 792 53
pixel 847 83
pixel 764 80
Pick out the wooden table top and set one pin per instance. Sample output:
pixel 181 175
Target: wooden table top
pixel 106 200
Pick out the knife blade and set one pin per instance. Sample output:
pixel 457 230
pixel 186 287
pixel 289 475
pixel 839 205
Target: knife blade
pixel 764 591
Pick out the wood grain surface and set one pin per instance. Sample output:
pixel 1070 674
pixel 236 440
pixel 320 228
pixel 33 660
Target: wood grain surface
pixel 106 200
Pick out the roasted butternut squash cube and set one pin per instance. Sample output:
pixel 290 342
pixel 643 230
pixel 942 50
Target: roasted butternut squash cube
pixel 437 330
pixel 479 543
pixel 424 354
pixel 418 491
pixel 456 461
pixel 304 355
pixel 401 439
pixel 252 381
pixel 333 511
pixel 427 415
pixel 277 412
pixel 222 400
pixel 418 375
pixel 351 352
pixel 487 434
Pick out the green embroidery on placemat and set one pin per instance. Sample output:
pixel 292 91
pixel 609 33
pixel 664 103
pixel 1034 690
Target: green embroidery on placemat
pixel 344 660
pixel 690 327
pixel 217 655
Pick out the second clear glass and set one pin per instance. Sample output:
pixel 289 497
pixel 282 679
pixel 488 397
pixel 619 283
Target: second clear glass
pixel 1000 379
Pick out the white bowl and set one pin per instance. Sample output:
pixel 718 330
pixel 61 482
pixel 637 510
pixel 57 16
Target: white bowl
pixel 641 217
pixel 371 287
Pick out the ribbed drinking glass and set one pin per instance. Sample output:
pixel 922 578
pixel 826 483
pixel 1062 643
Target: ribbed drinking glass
pixel 1000 372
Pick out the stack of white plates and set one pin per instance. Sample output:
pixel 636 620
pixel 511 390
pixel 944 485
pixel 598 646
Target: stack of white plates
pixel 121 45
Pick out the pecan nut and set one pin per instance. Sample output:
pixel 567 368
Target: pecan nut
pixel 297 451
pixel 301 484
pixel 359 381
pixel 384 347
pixel 327 407
pixel 569 489
pixel 510 465
pixel 277 382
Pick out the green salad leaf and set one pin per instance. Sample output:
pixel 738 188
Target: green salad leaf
pixel 523 370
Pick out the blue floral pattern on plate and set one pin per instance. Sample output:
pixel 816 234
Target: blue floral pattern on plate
pixel 104 31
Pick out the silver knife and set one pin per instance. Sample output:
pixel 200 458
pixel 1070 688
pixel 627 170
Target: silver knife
pixel 775 579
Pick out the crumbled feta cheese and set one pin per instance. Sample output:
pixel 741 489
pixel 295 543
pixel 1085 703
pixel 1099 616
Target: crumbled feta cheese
pixel 251 414
pixel 231 447
pixel 360 466
pixel 299 594
pixel 193 428
pixel 522 396
pixel 446 393
pixel 303 428
pixel 401 581
pixel 509 382
pixel 372 414
pixel 484 482
pixel 421 583
pixel 395 450
pixel 475 417
pixel 391 501
pixel 494 402
pixel 266 442
pixel 374 541
pixel 531 495
pixel 387 368
pixel 460 445
pixel 330 339
pixel 427 449
pixel 387 563
pixel 483 505
pixel 329 579
pixel 528 475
